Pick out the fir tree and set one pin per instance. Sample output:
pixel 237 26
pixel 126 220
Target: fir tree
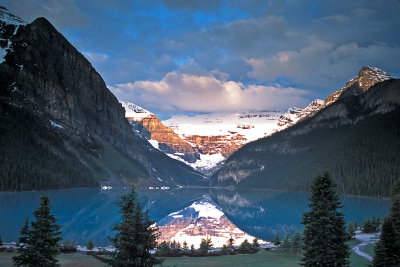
pixel 163 249
pixel 225 250
pixel 38 246
pixel 185 246
pixel 324 228
pixel 351 231
pixel 296 241
pixel 205 245
pixel 231 241
pixel 90 245
pixel 255 243
pixel 286 244
pixel 192 249
pixel 245 246
pixel 277 241
pixel 387 250
pixel 134 237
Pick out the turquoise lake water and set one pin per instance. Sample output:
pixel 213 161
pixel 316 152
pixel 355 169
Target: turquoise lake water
pixel 91 213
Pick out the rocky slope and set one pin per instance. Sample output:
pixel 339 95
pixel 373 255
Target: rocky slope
pixel 148 126
pixel 45 78
pixel 355 137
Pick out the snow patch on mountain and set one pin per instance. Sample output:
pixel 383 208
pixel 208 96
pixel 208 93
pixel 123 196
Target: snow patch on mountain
pixel 134 111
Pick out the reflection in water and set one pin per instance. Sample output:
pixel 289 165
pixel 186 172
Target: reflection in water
pixel 264 213
pixel 91 213
pixel 202 219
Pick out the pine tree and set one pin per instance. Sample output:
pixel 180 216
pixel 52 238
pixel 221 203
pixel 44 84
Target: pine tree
pixel 225 250
pixel 38 246
pixel 24 250
pixel 286 244
pixel 231 241
pixel 324 227
pixel 134 237
pixel 351 232
pixel 185 246
pixel 90 245
pixel 255 243
pixel 297 242
pixel 277 241
pixel 245 246
pixel 205 245
pixel 387 250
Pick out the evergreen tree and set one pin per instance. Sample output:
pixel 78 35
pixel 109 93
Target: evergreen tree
pixel 134 237
pixel 225 250
pixel 90 245
pixel 277 241
pixel 192 249
pixel 296 241
pixel 286 244
pixel 24 251
pixel 163 249
pixel 245 246
pixel 324 227
pixel 185 246
pixel 231 241
pixel 38 246
pixel 387 250
pixel 255 243
pixel 351 232
pixel 1 241
pixel 205 245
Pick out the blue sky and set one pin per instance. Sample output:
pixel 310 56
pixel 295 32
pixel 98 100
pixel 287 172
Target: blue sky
pixel 188 57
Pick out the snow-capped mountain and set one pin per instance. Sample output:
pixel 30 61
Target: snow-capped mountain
pixel 206 140
pixel 218 135
pixel 202 219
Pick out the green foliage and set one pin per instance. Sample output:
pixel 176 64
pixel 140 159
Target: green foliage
pixel 371 226
pixel 297 241
pixel 324 227
pixel 231 241
pixel 387 250
pixel 277 241
pixel 205 245
pixel 364 157
pixel 350 231
pixel 255 243
pixel 134 237
pixel 396 188
pixel 245 246
pixel 185 246
pixel 225 250
pixel 37 246
pixel 286 243
pixel 90 245
pixel 34 157
pixel 163 249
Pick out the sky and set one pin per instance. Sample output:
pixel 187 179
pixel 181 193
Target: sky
pixel 199 56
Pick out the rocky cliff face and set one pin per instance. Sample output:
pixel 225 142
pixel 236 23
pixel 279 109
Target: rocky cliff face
pixel 355 126
pixel 43 74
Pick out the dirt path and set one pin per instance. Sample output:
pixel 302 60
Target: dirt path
pixel 365 239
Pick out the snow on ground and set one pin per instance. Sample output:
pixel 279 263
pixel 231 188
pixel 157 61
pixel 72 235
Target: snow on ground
pixel 252 125
pixel 365 239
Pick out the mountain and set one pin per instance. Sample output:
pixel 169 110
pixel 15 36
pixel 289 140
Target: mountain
pixel 355 136
pixel 149 127
pixel 202 219
pixel 60 125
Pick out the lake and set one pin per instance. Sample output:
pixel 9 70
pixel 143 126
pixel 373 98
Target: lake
pixel 91 213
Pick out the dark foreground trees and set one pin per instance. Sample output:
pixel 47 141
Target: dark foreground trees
pixel 135 236
pixel 387 250
pixel 324 233
pixel 37 245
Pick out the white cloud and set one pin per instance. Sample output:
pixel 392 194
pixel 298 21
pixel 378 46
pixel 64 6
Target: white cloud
pixel 182 92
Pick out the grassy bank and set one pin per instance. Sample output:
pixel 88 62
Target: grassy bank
pixel 262 258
